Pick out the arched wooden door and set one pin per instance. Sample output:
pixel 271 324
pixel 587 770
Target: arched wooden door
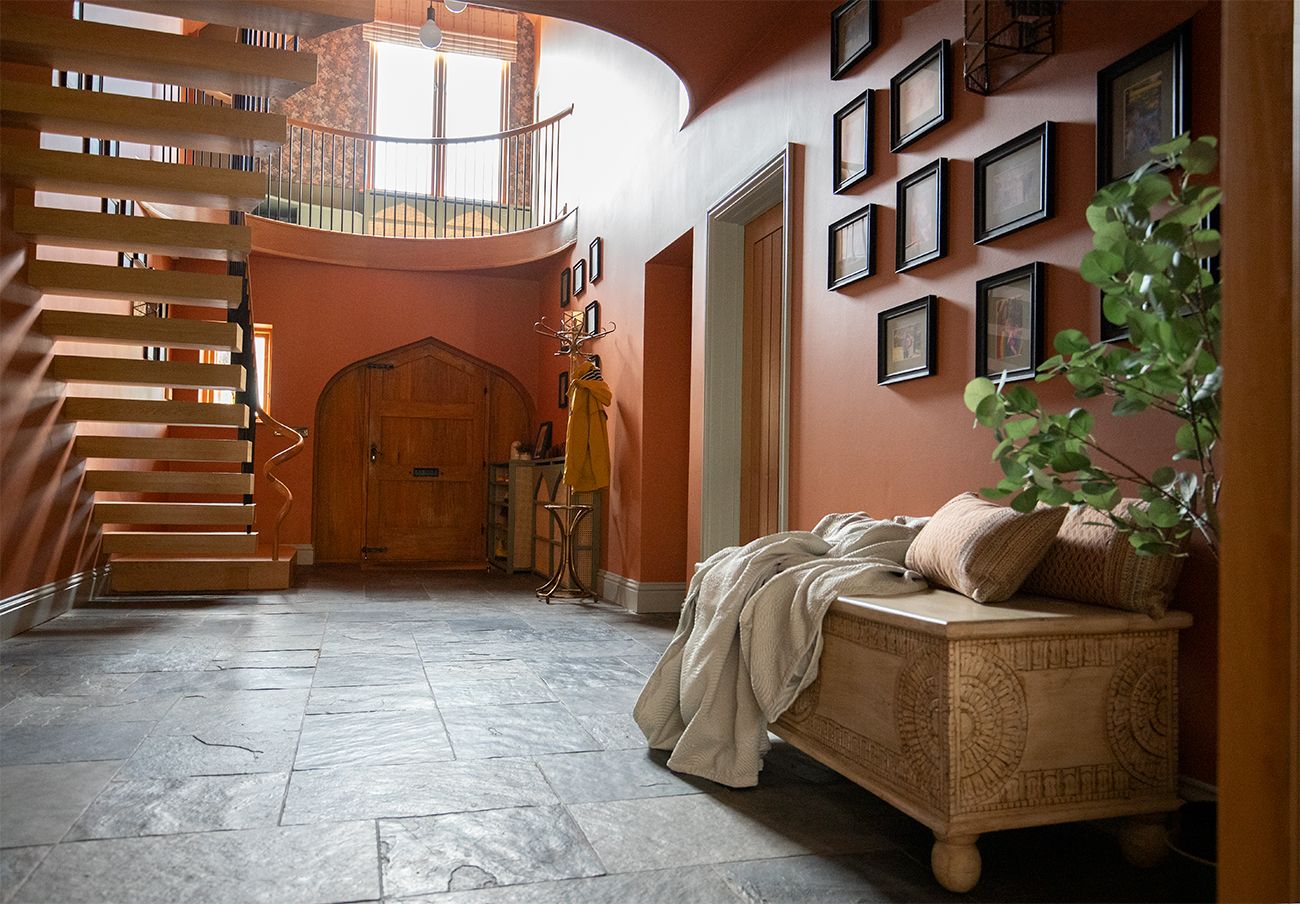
pixel 403 440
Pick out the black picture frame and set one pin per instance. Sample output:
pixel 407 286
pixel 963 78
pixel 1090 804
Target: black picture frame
pixel 837 275
pixel 841 181
pixel 591 318
pixel 1149 83
pixel 579 277
pixel 853 35
pixel 542 444
pixel 564 389
pixel 1005 182
pixel 911 217
pixel 902 133
pixel 596 255
pixel 565 295
pixel 1018 349
pixel 889 339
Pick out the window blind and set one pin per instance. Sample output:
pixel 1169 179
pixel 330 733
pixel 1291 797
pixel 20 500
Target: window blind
pixel 474 32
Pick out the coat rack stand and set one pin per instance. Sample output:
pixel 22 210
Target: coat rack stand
pixel 566 583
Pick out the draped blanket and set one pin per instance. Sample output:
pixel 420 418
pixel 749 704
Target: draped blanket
pixel 749 638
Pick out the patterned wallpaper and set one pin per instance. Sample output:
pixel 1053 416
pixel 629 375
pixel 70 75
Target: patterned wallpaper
pixel 341 95
pixel 523 75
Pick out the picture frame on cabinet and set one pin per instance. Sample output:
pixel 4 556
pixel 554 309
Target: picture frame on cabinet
pixel 853 35
pixel 542 444
pixel 579 277
pixel 565 294
pixel 921 228
pixel 851 244
pixel 591 318
pixel 564 389
pixel 1009 323
pixel 1015 184
pixel 852 135
pixel 1143 100
pixel 906 341
pixel 920 97
pixel 596 256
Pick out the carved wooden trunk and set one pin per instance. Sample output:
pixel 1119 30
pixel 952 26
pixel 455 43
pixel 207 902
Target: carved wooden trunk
pixel 974 717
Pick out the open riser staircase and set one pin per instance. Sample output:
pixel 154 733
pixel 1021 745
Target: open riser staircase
pixel 168 457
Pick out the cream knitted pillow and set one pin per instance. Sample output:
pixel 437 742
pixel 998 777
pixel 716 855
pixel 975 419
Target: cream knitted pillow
pixel 981 549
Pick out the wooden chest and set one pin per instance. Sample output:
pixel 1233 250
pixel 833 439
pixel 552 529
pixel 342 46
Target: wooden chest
pixel 973 717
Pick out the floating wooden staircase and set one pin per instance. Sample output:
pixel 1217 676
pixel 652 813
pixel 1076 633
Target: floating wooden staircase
pixel 172 477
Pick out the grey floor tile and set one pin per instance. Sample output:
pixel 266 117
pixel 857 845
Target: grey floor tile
pixel 92 710
pixel 212 751
pixel 55 685
pixel 238 710
pixel 486 848
pixel 877 876
pixel 372 739
pixel 175 806
pixel 71 743
pixel 307 864
pixel 217 680
pixel 493 692
pixel 369 699
pixel 689 885
pixel 270 643
pixel 580 778
pixel 614 731
pixel 265 659
pixel 585 673
pixel 608 698
pixel 361 670
pixel 16 864
pixel 516 730
pixel 40 803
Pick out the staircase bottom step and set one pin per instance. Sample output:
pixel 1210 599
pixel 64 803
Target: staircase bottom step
pixel 139 574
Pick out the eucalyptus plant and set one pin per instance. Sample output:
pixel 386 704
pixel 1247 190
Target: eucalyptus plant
pixel 1151 247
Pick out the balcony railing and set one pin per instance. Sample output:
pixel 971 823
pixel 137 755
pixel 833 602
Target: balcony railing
pixel 416 187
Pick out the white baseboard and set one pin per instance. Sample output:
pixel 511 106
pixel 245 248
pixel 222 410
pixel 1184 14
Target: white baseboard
pixel 1195 789
pixel 306 553
pixel 26 610
pixel 638 597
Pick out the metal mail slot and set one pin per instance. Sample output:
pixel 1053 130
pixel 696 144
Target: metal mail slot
pixel 425 472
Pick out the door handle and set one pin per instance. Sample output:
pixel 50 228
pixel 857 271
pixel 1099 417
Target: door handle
pixel 426 472
pixel 374 453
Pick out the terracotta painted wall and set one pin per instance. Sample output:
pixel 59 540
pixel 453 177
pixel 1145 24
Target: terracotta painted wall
pixel 325 317
pixel 639 182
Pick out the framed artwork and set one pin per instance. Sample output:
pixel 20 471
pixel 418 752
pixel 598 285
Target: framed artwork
pixel 595 252
pixel 853 141
pixel 591 318
pixel 1009 323
pixel 579 278
pixel 922 228
pixel 565 296
pixel 920 97
pixel 542 444
pixel 1142 101
pixel 1014 184
pixel 852 244
pixel 906 341
pixel 853 35
pixel 564 389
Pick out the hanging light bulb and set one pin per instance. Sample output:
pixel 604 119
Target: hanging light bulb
pixel 430 33
pixel 455 6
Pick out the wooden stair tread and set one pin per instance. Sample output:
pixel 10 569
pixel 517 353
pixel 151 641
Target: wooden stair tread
pixel 150 411
pixel 132 283
pixel 152 544
pixel 305 18
pixel 152 235
pixel 215 483
pixel 137 372
pixel 127 329
pixel 187 513
pixel 126 177
pixel 154 56
pixel 163 448
pixel 263 554
pixel 95 114
pixel 256 571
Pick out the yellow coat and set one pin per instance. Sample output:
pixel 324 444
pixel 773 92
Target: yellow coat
pixel 586 447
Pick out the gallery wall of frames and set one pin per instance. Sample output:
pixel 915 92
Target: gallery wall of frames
pixel 1143 99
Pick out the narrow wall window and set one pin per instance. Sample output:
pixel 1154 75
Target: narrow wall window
pixel 261 351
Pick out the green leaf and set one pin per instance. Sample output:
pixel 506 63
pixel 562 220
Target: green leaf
pixel 1098 216
pixel 977 390
pixel 1164 477
pixel 994 493
pixel 1020 399
pixel 1124 407
pixel 1199 158
pixel 1097 266
pixel 1020 427
pixel 1173 147
pixel 1151 188
pixel 990 411
pixel 1164 514
pixel 1056 496
pixel 1071 342
pixel 1026 501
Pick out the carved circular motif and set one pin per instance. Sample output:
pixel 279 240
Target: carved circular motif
pixel 1139 713
pixel 918 718
pixel 993 723
pixel 805 703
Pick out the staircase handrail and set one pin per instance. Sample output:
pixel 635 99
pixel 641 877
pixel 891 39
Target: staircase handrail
pixel 278 428
pixel 370 136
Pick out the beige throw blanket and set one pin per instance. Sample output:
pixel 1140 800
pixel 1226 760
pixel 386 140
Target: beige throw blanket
pixel 749 638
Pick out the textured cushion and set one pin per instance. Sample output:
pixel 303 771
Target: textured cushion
pixel 981 549
pixel 1092 562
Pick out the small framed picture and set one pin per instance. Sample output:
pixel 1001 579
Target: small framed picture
pixel 853 35
pixel 565 295
pixel 852 243
pixel 853 141
pixel 595 253
pixel 906 341
pixel 922 228
pixel 564 389
pixel 920 97
pixel 542 444
pixel 591 318
pixel 579 278
pixel 1014 184
pixel 1142 101
pixel 1009 323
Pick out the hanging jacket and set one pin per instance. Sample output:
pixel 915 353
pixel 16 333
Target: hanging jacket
pixel 586 463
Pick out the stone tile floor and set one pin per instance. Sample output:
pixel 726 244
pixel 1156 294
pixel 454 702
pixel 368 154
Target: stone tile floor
pixel 428 737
